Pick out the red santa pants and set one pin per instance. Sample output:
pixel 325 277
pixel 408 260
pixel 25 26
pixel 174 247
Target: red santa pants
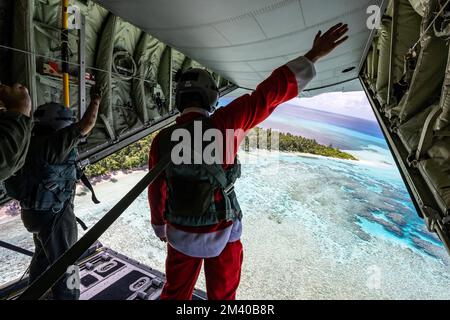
pixel 222 273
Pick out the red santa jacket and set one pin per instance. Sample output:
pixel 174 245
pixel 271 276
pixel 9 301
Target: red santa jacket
pixel 242 114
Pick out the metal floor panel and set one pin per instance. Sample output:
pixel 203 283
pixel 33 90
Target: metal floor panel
pixel 109 275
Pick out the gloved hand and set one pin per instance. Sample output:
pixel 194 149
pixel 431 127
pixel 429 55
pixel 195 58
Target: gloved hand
pixel 15 98
pixel 326 43
pixel 160 232
pixel 96 93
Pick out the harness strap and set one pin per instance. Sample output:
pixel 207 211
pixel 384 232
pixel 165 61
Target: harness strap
pixel 218 173
pixel 12 247
pixel 88 185
pixel 82 224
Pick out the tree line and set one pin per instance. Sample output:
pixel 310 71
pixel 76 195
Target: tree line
pixel 135 156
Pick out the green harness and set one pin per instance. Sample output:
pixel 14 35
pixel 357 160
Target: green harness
pixel 191 188
pixel 49 187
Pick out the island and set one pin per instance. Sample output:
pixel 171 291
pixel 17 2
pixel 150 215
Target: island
pixel 135 156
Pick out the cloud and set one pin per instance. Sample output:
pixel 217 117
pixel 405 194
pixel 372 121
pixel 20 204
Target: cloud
pixel 354 104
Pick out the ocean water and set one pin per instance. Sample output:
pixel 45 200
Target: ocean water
pixel 342 131
pixel 314 228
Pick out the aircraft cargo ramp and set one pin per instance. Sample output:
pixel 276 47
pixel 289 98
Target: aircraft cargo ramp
pixel 108 275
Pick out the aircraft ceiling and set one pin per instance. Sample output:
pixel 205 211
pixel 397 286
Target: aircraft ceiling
pixel 244 40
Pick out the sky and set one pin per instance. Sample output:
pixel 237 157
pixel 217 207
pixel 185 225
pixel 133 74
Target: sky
pixel 342 119
pixel 353 104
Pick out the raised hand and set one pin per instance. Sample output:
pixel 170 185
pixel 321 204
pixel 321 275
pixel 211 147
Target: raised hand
pixel 326 43
pixel 15 98
pixel 96 93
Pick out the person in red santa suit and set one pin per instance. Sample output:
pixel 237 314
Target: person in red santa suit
pixel 193 204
